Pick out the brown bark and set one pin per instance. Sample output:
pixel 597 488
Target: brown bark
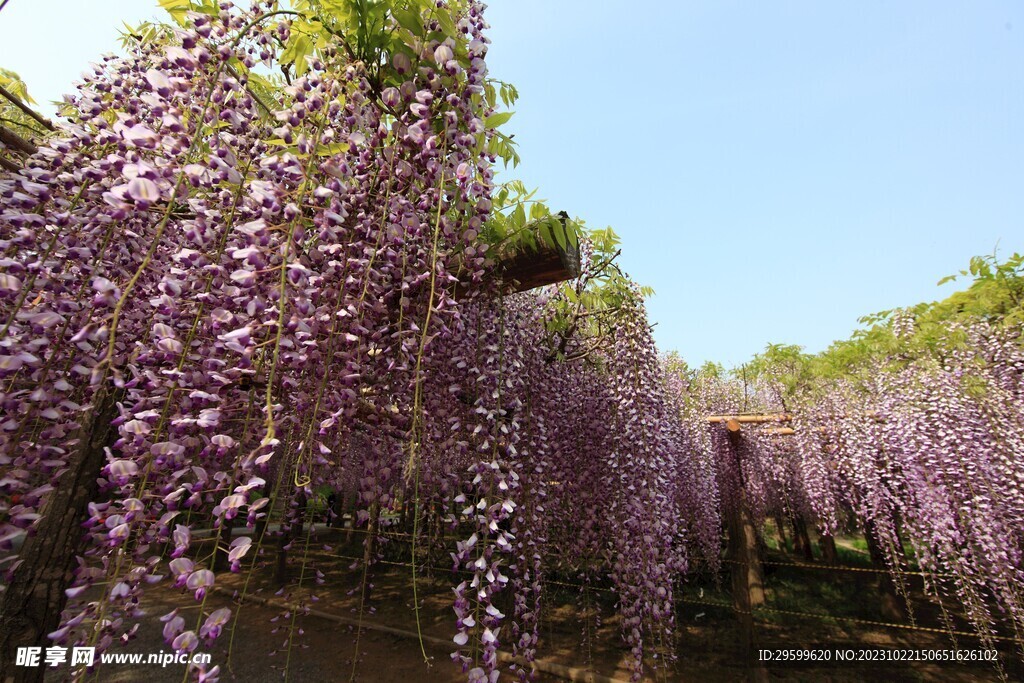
pixel 747 572
pixel 892 604
pixel 13 99
pixel 801 539
pixel 780 526
pixel 15 142
pixel 529 268
pixel 8 165
pixel 31 606
pixel 828 549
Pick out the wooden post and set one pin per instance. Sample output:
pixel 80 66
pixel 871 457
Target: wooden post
pixel 744 540
pixel 31 606
pixel 747 572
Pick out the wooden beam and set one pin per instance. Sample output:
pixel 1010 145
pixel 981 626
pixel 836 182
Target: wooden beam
pixel 765 418
pixel 751 418
pixel 528 268
pixel 13 99
pixel 8 165
pixel 547 265
pixel 15 142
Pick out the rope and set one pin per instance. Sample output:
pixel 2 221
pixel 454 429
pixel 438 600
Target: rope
pixel 722 605
pixel 843 568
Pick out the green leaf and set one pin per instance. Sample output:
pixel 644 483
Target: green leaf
pixel 495 120
pixel 332 149
pixel 300 47
pixel 559 232
pixel 177 9
pixel 444 19
pixel 409 19
pixel 518 217
pixel 15 86
pixel 547 236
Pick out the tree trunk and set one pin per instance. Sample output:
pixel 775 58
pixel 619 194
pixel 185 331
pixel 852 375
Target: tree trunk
pixel 31 606
pixel 748 575
pixel 801 538
pixel 780 527
pixel 893 605
pixel 828 549
pixel 747 572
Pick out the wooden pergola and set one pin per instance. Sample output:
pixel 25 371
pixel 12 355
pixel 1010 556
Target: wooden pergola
pixel 734 423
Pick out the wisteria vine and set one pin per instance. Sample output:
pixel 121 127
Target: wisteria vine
pixel 282 289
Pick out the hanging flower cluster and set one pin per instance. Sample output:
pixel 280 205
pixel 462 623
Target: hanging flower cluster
pixel 253 284
pixel 926 449
pixel 281 289
pixel 932 453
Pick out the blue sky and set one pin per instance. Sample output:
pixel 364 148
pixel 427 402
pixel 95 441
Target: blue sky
pixel 775 170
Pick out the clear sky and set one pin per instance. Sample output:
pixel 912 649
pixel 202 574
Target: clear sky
pixel 775 169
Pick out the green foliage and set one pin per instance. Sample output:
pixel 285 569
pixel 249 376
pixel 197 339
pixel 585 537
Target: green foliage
pixel 784 364
pixel 514 228
pixel 179 9
pixel 674 364
pixel 370 33
pixel 711 370
pixel 996 294
pixel 584 313
pixel 13 118
pixel 13 84
pixel 926 332
pixel 144 33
